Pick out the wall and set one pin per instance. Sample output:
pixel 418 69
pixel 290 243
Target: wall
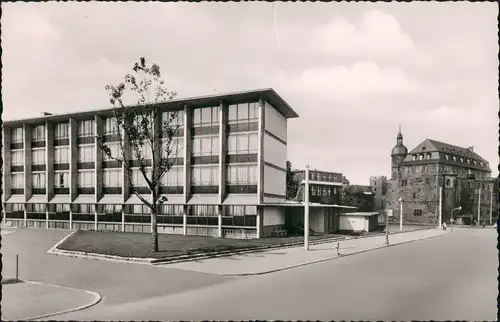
pixel 274 183
pixel 275 123
pixel 274 216
pixel 317 219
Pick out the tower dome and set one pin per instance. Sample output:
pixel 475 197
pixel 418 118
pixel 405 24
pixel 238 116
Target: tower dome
pixel 398 154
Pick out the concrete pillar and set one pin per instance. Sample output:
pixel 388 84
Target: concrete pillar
pixel 7 163
pixel 70 218
pixel 95 218
pixel 46 216
pixel 184 224
pixel 73 154
pixel 260 157
pixel 25 216
pixel 125 183
pixel 99 175
pixel 49 160
pixel 258 230
pixel 188 114
pixel 28 178
pixel 123 219
pixel 222 151
pixel 219 224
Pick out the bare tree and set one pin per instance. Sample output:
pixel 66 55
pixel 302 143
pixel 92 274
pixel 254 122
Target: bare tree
pixel 146 136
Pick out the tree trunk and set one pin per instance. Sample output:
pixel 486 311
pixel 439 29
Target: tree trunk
pixel 154 226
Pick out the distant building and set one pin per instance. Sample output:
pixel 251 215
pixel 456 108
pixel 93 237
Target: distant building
pixel 379 188
pixel 418 174
pixel 324 187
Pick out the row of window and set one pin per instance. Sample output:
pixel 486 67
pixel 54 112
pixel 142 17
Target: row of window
pixel 243 143
pixel 172 210
pixel 324 191
pixel 328 177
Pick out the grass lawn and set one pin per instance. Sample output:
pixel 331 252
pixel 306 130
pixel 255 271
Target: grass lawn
pixel 140 245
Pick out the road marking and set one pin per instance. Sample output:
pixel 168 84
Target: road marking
pixel 97 298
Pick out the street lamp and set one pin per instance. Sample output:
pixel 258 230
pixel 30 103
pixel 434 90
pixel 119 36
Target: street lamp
pixel 452 219
pixel 400 213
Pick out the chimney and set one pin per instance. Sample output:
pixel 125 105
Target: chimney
pixel 46 114
pixel 471 149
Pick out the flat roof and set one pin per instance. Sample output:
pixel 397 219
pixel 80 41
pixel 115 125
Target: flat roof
pixel 360 214
pixel 268 94
pixel 301 204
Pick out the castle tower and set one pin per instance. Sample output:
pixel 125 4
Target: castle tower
pixel 398 154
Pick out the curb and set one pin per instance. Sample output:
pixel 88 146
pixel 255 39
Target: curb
pixel 177 259
pixel 97 299
pixel 194 257
pixel 328 258
pixel 242 251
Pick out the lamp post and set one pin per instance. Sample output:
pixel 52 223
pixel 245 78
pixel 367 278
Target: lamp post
pixel 400 213
pixel 452 219
pixel 387 224
pixel 306 210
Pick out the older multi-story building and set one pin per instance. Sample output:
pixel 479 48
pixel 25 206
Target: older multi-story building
pixel 324 187
pixel 379 189
pixel 417 176
pixel 228 179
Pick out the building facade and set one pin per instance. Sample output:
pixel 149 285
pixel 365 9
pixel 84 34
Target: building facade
pixel 228 179
pixel 324 187
pixel 416 177
pixel 379 188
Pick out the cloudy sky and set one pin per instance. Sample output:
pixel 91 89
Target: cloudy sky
pixel 352 71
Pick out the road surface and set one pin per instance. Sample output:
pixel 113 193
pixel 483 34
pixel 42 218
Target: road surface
pixel 453 277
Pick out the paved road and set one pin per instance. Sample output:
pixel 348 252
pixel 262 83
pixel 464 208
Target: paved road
pixel 118 283
pixel 445 278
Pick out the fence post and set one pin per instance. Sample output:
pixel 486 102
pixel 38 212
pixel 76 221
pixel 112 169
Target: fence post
pixel 17 268
pixel 338 248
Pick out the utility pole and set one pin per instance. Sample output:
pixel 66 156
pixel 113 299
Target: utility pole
pixel 306 210
pixel 479 206
pixel 400 214
pixel 387 223
pixel 440 207
pixel 491 205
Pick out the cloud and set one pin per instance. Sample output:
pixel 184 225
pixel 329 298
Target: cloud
pixel 347 82
pixel 378 34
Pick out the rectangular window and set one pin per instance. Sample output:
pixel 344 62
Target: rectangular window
pixel 242 174
pixel 427 181
pixel 115 151
pixel 38 156
pixel 246 143
pixel 61 131
pixel 176 148
pixel 243 113
pixel 38 133
pixel 417 212
pixel 86 179
pixel 205 116
pixel 17 157
pixel 38 180
pixel 61 180
pixel 17 135
pixel 173 178
pixel 86 128
pixel 61 155
pixel 205 176
pixel 173 118
pixel 205 145
pixel 145 152
pixel 110 126
pixel 86 153
pixel 112 178
pixel 17 180
pixel 138 179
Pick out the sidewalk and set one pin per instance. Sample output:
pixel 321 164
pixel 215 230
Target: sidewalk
pixel 275 260
pixel 31 300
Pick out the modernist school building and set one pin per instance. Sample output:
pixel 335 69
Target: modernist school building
pixel 229 179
